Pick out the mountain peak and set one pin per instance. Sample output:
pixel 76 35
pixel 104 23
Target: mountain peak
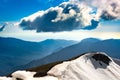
pixel 98 56
pixel 98 65
pixel 97 59
pixel 90 40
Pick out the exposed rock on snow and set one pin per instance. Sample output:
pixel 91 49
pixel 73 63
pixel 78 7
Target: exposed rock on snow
pixel 90 66
pixel 101 57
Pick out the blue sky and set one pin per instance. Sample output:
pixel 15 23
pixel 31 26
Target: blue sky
pixel 14 10
pixel 70 26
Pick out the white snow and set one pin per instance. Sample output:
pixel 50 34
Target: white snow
pixel 26 75
pixel 83 68
pixel 5 78
pixel 117 61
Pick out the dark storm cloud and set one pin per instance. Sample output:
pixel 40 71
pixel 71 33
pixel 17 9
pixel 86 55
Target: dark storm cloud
pixel 72 15
pixel 65 17
pixel 45 23
pixel 93 25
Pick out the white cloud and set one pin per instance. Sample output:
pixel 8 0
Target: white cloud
pixel 81 14
pixel 110 8
pixel 75 10
pixel 65 17
pixel 104 31
pixel 32 17
pixel 72 15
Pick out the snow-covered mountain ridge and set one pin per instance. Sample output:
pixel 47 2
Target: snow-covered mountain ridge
pixel 90 66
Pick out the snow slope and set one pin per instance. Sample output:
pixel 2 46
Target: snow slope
pixel 90 66
pixel 117 61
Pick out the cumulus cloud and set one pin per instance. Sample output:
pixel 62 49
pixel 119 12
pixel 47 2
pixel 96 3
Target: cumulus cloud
pixel 110 9
pixel 72 15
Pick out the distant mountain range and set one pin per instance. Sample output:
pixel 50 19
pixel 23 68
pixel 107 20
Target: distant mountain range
pixel 15 52
pixel 110 46
pixel 54 50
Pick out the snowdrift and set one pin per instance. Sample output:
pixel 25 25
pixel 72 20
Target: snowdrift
pixel 90 66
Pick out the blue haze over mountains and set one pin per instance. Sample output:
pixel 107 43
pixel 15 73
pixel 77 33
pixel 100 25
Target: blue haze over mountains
pixel 15 52
pixel 110 47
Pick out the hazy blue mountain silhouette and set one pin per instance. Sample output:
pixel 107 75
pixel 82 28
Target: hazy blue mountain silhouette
pixel 15 52
pixel 110 46
pixel 65 53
